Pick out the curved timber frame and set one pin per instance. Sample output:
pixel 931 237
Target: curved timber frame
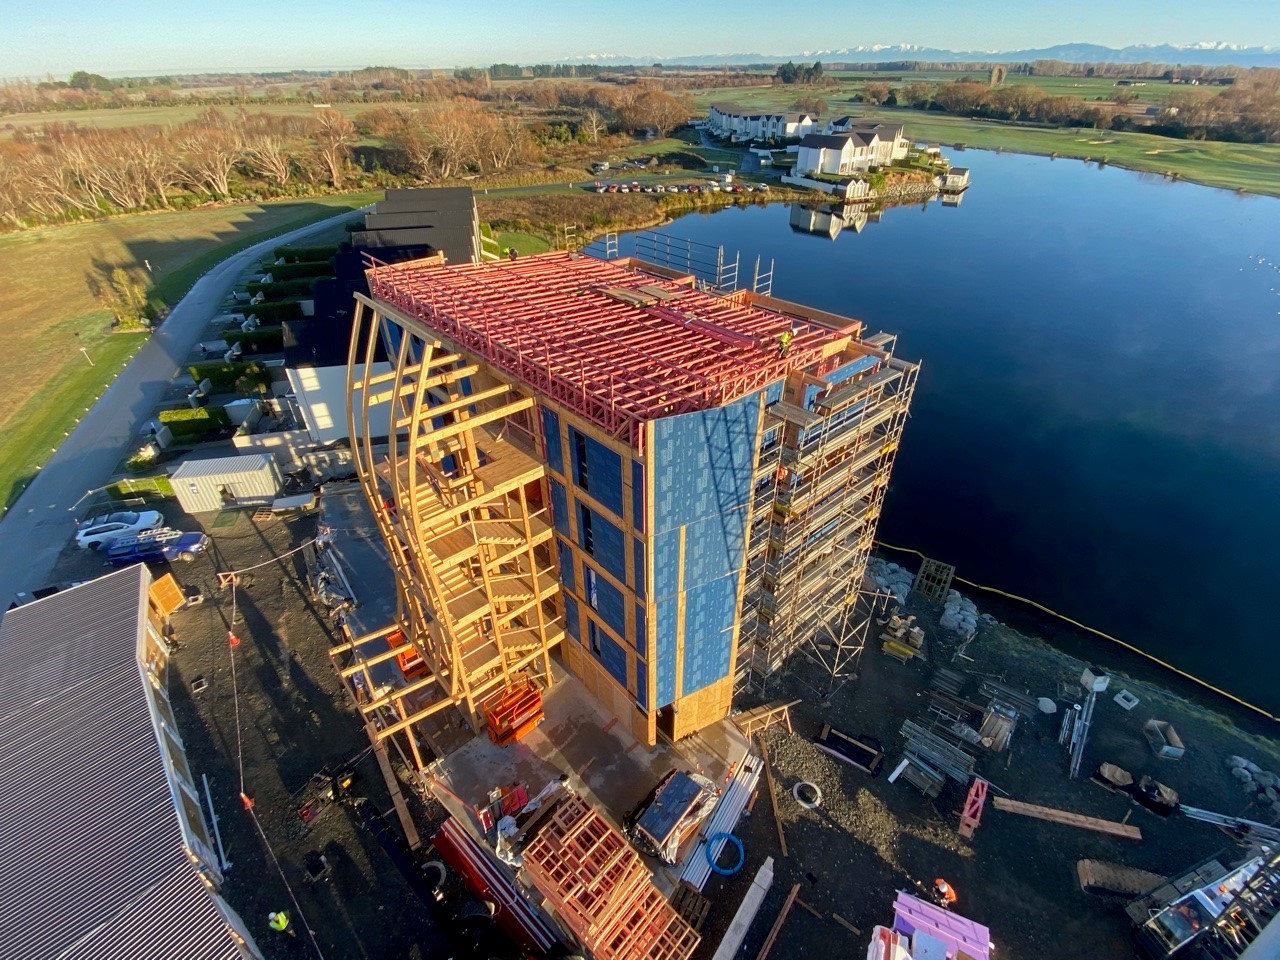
pixel 459 497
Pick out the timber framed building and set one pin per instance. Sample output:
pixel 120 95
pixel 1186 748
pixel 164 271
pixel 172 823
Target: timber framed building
pixel 677 487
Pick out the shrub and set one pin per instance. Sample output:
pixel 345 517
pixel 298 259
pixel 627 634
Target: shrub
pixel 272 312
pixel 226 377
pixel 296 271
pixel 282 288
pixel 304 254
pixel 188 423
pixel 262 340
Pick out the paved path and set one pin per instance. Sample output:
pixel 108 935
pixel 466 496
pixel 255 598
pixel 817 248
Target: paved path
pixel 38 526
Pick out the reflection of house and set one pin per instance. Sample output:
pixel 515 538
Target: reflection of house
pixel 955 180
pixel 107 852
pixel 738 123
pixel 829 220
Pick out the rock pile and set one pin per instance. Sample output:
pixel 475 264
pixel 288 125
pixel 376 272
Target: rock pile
pixel 959 614
pixel 1262 785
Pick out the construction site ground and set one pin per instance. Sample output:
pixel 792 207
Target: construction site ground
pixel 295 720
pixel 871 838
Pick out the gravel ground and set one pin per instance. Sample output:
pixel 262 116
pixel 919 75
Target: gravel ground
pixel 870 838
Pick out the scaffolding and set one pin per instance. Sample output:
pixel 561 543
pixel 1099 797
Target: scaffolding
pixel 820 485
pixel 458 499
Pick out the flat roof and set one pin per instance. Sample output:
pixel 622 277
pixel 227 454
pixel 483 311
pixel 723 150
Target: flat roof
pixel 93 852
pixel 242 463
pixel 619 341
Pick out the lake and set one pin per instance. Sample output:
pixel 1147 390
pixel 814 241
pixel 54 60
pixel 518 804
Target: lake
pixel 1097 423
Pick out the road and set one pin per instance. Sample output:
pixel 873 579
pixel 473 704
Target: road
pixel 38 526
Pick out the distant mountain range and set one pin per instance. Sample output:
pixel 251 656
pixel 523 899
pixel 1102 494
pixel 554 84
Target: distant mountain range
pixel 1209 54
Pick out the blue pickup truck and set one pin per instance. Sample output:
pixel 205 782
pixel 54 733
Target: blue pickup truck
pixel 159 546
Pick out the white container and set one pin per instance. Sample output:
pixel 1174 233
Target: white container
pixel 204 486
pixel 1094 679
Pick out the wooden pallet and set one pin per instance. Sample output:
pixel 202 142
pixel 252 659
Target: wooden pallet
pixel 690 904
pixel 1128 831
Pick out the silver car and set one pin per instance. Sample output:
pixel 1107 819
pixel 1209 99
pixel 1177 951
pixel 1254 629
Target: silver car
pixel 99 531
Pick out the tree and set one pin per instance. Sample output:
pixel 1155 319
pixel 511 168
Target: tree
pixel 594 123
pixel 209 155
pixel 334 134
pixel 875 93
pixel 125 296
pixel 89 81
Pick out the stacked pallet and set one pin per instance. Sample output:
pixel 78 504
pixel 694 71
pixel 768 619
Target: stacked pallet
pixel 598 885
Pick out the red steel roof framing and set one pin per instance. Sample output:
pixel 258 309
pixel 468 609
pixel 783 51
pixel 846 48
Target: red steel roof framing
pixel 550 322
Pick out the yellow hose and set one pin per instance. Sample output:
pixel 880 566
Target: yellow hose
pixel 1106 636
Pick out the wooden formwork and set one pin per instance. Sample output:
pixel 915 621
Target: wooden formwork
pixel 598 885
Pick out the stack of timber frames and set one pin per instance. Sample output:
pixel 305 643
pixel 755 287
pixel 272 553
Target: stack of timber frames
pixel 461 505
pixel 598 885
pixel 819 495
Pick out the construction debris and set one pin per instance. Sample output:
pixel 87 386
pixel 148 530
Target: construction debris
pixel 866 754
pixel 747 911
pixel 671 813
pixel 902 640
pixel 1071 819
pixel 777 924
pixel 1164 740
pixel 1099 876
pixel 971 815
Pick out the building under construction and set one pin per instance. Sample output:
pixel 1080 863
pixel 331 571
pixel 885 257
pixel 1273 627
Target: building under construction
pixel 676 486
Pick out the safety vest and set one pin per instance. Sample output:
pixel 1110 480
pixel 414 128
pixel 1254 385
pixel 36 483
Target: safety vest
pixel 279 921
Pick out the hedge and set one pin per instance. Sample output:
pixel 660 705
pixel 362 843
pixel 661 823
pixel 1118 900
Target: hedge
pixel 304 254
pixel 189 423
pixel 281 289
pixel 296 271
pixel 272 312
pixel 262 340
pixel 225 377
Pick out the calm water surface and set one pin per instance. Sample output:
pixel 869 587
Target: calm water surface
pixel 1097 424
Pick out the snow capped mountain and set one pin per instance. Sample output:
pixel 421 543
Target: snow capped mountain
pixel 1210 53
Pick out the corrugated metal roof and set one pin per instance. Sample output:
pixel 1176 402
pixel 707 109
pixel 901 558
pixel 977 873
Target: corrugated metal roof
pixel 246 463
pixel 94 860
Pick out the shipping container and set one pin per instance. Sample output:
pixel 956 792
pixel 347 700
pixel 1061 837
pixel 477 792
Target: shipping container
pixel 203 486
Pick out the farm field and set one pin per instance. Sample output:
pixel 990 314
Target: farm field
pixel 49 312
pixel 114 118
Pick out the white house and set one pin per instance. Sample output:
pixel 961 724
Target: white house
pixel 893 143
pixel 836 154
pixel 738 123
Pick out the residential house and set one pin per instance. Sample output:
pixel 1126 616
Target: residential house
pixel 955 180
pixel 738 123
pixel 893 144
pixel 836 154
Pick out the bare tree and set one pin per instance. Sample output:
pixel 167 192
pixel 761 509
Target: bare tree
pixel 334 134
pixel 594 123
pixel 209 155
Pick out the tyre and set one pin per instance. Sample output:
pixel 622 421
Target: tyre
pixel 96 545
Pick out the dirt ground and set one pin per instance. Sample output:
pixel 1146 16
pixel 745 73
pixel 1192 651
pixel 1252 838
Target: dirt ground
pixel 871 838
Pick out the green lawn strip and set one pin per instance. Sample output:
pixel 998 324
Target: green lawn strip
pixel 525 243
pixel 177 282
pixel 41 422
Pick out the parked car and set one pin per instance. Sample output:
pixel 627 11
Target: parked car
pixel 159 546
pixel 97 532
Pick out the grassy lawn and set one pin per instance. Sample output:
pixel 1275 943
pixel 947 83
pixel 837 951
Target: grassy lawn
pixel 48 311
pixel 523 242
pixel 163 116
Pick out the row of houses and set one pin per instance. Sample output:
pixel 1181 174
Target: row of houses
pixel 739 124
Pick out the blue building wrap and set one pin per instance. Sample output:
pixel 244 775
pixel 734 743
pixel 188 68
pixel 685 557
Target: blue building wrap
pixel 838 375
pixel 642 631
pixel 608 544
pixel 613 657
pixel 702 481
pixel 571 624
pixel 637 494
pixel 603 471
pixel 559 506
pixel 551 434
pixel 611 605
pixel 565 553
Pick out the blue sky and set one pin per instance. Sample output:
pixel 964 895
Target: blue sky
pixel 148 36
